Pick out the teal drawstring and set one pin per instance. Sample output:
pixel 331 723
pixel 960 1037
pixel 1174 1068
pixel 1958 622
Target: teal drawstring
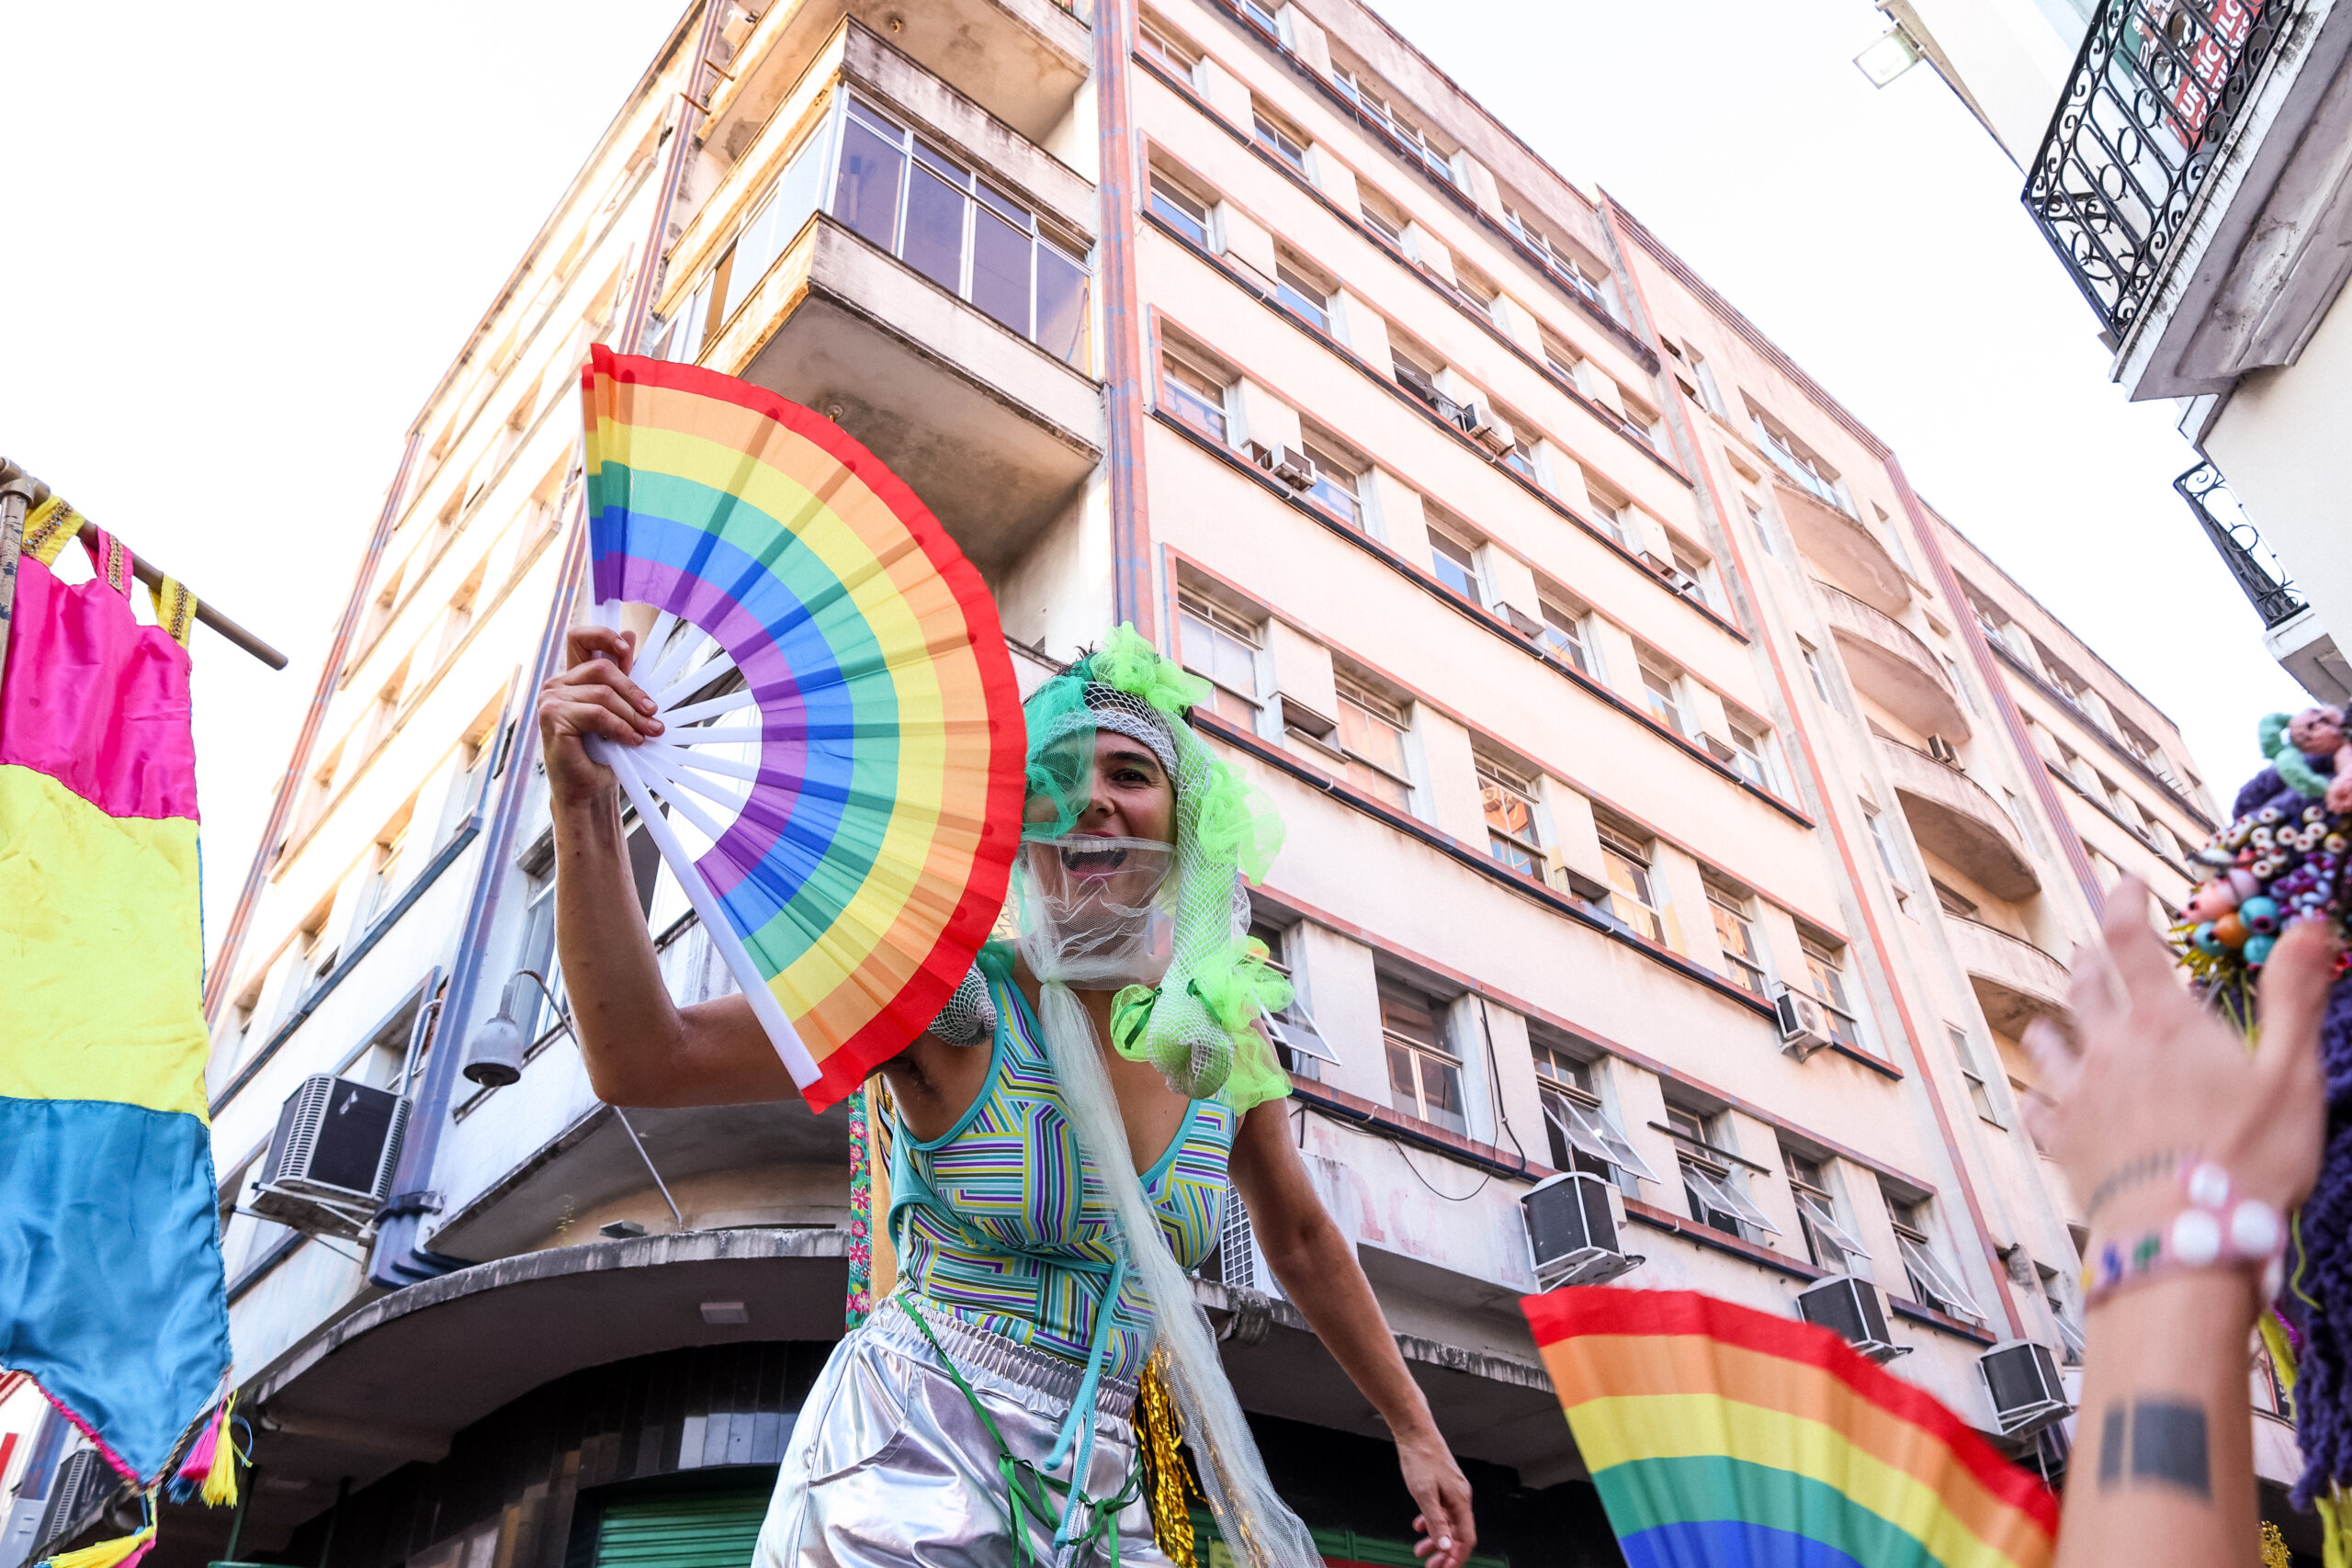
pixel 1082 1407
pixel 1027 1485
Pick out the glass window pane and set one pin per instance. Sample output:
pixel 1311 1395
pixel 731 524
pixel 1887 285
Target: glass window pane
pixel 1442 1091
pixel 933 244
pixel 1401 1081
pixel 1371 737
pixel 1180 212
pixel 867 198
pixel 1061 305
pixel 1001 270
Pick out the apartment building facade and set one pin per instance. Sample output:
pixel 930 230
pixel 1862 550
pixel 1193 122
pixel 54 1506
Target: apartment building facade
pixel 1675 801
pixel 2181 159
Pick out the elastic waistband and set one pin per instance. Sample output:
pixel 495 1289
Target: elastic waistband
pixel 981 1356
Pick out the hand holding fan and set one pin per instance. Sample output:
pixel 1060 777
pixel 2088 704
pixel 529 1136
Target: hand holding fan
pixel 842 726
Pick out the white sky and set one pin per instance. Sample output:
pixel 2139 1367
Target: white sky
pixel 246 241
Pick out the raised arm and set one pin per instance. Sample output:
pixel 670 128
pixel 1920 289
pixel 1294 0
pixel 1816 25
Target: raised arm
pixel 1317 1267
pixel 2150 1085
pixel 640 1048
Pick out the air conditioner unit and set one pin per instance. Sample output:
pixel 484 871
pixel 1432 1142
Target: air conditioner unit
pixel 330 1161
pixel 80 1481
pixel 2023 1382
pixel 1573 1220
pixel 1850 1305
pixel 1288 463
pixel 1493 434
pixel 1803 1028
pixel 1943 750
pixel 1520 621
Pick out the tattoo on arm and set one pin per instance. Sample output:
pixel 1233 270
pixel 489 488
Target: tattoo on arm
pixel 2167 1447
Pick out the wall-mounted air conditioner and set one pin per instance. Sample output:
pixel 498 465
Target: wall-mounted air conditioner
pixel 1943 750
pixel 1482 426
pixel 1804 1028
pixel 330 1161
pixel 1850 1305
pixel 1288 463
pixel 1572 1225
pixel 2023 1381
pixel 1520 621
pixel 81 1480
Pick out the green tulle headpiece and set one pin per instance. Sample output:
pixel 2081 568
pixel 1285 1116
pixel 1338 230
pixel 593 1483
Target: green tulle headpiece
pixel 1200 1025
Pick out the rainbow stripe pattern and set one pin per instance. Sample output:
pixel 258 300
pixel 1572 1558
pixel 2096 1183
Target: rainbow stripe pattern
pixel 869 857
pixel 1721 1437
pixel 111 1286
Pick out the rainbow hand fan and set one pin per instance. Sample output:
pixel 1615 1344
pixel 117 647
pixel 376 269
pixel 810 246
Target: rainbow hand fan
pixel 842 729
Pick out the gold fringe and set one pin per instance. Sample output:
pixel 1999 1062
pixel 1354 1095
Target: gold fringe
pixel 1166 1479
pixel 2274 1547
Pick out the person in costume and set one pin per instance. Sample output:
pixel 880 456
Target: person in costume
pixel 1102 1078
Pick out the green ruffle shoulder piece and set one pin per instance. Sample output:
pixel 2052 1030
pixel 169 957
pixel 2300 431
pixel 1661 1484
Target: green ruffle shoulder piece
pixel 2294 769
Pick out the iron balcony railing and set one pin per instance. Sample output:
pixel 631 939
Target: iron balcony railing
pixel 2259 575
pixel 2155 91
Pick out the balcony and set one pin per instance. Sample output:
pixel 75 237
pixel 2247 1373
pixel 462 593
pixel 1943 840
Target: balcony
pixel 1894 666
pixel 2189 184
pixel 1022 61
pixel 2259 576
pixel 887 254
pixel 2015 981
pixel 1955 820
pixel 1835 540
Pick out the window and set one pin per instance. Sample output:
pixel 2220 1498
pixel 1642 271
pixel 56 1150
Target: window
pixel 1581 1132
pixel 1371 733
pixel 1616 519
pixel 391 872
pixel 1749 740
pixel 1297 1039
pixel 1418 379
pixel 1159 43
pixel 1713 1193
pixel 1384 217
pixel 1263 14
pixel 1699 568
pixel 1662 691
pixel 1763 530
pixel 1558 261
pixel 1735 937
pixel 1424 1076
pixel 1288 145
pixel 914 200
pixel 1179 210
pixel 1302 296
pixel 2070 1333
pixel 1456 565
pixel 1222 646
pixel 1509 799
pixel 1829 1244
pixel 1883 842
pixel 1817 671
pixel 1192 394
pixel 1972 1072
pixel 537 953
pixel 1825 967
pixel 1335 489
pixel 1801 467
pixel 1568 634
pixel 1633 895
pixel 1931 1283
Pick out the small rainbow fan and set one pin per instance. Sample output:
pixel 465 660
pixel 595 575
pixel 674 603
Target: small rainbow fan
pixel 843 736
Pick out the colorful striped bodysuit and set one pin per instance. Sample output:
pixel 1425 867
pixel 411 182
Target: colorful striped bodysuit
pixel 990 1221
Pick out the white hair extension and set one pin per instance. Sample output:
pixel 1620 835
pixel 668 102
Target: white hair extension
pixel 1258 1529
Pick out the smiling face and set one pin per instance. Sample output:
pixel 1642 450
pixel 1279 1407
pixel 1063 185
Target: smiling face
pixel 1131 795
pixel 2316 732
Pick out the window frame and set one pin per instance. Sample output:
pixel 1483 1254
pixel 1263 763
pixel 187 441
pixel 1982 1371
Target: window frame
pixel 1179 394
pixel 1932 1283
pixel 1355 694
pixel 1748 970
pixel 1438 1050
pixel 1473 585
pixel 1824 957
pixel 1327 464
pixel 1500 778
pixel 1269 130
pixel 1705 1171
pixel 1577 1119
pixel 1163 188
pixel 1223 621
pixel 1617 846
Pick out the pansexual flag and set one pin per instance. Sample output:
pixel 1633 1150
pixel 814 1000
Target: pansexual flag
pixel 1721 1437
pixel 110 1288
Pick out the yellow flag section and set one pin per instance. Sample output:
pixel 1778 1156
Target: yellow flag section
pixel 1721 1435
pixel 103 997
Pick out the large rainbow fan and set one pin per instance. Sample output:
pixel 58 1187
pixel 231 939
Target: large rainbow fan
pixel 842 736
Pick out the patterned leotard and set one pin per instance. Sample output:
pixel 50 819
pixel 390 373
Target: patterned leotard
pixel 990 1221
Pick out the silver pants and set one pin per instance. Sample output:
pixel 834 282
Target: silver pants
pixel 889 1466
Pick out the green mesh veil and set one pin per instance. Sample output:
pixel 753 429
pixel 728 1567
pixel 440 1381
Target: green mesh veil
pixel 1199 1024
